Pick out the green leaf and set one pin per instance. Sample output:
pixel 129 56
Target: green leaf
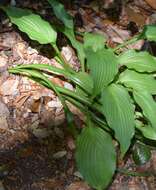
pixel 148 106
pixel 138 81
pixel 141 154
pixel 140 61
pixel 84 81
pixel 103 68
pixel 146 130
pixel 149 33
pixel 33 25
pixel 81 79
pixel 68 30
pixel 95 156
pixel 119 113
pixel 94 41
pixel 80 91
pixel 61 13
pixel 46 82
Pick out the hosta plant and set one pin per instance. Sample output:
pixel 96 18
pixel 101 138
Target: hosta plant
pixel 114 89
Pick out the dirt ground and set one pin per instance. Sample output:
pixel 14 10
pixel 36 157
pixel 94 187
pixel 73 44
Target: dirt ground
pixel 36 148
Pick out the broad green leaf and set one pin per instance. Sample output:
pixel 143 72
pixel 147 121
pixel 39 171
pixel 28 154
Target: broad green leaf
pixel 94 41
pixel 84 81
pixel 141 154
pixel 61 13
pixel 103 68
pixel 149 33
pixel 146 130
pixel 119 113
pixel 138 81
pixel 140 61
pixel 148 106
pixel 95 156
pixel 33 25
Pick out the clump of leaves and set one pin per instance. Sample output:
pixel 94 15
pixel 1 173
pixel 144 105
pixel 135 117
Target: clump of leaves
pixel 114 90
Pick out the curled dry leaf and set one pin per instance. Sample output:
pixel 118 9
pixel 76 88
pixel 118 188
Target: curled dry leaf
pixel 36 106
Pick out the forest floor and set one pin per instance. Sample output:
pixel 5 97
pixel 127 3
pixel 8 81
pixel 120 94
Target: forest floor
pixel 36 148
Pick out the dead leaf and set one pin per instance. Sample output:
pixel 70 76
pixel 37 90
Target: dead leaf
pixel 21 100
pixel 152 3
pixel 136 17
pixel 57 81
pixel 9 87
pixel 36 106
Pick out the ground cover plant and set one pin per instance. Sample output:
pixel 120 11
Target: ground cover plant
pixel 114 89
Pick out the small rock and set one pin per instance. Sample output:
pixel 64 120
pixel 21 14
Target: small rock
pixel 59 154
pixel 9 87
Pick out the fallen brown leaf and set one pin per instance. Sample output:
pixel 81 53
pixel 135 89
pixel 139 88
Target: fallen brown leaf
pixel 152 3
